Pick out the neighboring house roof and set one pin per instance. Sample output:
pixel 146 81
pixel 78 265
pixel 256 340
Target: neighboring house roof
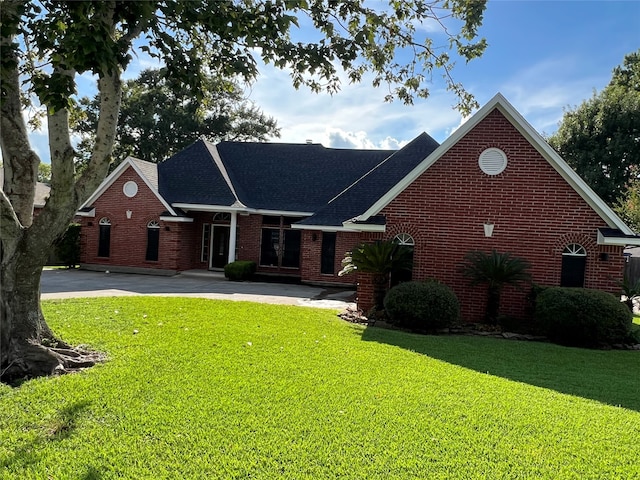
pixel 42 191
pixel 263 176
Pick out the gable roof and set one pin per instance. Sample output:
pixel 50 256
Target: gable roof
pixel 147 171
pixel 367 189
pixel 258 176
pixel 536 140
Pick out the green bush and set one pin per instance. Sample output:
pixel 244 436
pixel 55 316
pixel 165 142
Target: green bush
pixel 422 306
pixel 582 317
pixel 240 270
pixel 67 247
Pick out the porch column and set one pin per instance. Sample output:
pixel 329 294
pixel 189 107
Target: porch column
pixel 232 237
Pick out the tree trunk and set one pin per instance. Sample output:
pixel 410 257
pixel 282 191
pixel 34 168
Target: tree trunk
pixel 493 305
pixel 28 348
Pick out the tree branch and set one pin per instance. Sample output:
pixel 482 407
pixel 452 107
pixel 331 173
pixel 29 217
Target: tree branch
pixel 110 91
pixel 10 228
pixel 20 161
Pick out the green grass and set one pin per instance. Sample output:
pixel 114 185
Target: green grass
pixel 210 389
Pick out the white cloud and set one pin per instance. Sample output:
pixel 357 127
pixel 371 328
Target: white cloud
pixel 357 115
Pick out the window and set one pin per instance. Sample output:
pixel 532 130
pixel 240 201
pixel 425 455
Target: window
pixel 222 217
pixel 153 241
pixel 291 249
pixel 400 276
pixel 280 245
pixel 328 253
pixel 204 251
pixel 574 262
pixel 104 237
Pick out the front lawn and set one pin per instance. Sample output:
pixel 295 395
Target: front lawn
pixel 211 389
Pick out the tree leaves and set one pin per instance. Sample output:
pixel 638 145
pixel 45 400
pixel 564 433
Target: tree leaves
pixel 600 139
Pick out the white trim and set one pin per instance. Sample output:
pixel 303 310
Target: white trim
pixel 323 228
pixel 90 214
pixel 365 227
pixel 197 207
pixel 534 138
pixel 176 219
pixel 624 241
pixel 215 155
pixel 233 233
pixel 113 176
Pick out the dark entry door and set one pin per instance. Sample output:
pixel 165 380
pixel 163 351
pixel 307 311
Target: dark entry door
pixel 220 246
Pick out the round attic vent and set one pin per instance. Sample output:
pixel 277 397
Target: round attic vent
pixel 130 189
pixel 492 161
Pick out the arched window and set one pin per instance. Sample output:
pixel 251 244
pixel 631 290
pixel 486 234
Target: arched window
pixel 574 262
pixel 222 217
pixel 104 237
pixel 403 275
pixel 153 241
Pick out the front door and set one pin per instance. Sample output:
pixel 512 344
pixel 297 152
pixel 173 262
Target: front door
pixel 220 246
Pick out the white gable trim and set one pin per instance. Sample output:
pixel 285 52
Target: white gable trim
pixel 215 155
pixel 113 176
pixel 536 140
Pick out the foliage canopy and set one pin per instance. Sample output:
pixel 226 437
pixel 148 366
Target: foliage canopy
pixel 159 118
pixel 600 139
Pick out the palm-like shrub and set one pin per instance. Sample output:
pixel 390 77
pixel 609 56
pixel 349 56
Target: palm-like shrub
pixel 494 270
pixel 380 259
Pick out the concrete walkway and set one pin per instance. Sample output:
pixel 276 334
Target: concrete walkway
pixel 83 283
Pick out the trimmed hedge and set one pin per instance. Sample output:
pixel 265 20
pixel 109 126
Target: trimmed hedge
pixel 581 317
pixel 240 270
pixel 422 306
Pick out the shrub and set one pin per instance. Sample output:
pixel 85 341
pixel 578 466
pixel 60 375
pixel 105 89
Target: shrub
pixel 582 317
pixel 240 270
pixel 67 247
pixel 424 306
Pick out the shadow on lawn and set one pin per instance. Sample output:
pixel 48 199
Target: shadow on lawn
pixel 59 428
pixel 609 377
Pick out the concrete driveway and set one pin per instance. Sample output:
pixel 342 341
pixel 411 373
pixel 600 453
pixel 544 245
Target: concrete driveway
pixel 83 283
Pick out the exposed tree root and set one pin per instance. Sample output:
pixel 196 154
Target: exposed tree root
pixel 32 359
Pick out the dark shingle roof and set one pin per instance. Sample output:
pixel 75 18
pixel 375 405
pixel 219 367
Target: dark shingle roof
pixel 293 177
pixel 192 176
pixel 269 176
pixel 335 184
pixel 371 187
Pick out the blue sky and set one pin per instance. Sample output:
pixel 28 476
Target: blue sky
pixel 543 56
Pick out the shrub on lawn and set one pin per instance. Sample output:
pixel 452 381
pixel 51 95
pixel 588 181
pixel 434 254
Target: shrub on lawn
pixel 240 270
pixel 67 247
pixel 422 305
pixel 582 317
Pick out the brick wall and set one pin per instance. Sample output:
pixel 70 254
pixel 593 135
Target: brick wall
pixel 129 236
pixel 535 212
pixel 312 254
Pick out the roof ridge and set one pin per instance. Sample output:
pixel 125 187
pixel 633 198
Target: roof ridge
pixel 219 163
pixel 420 136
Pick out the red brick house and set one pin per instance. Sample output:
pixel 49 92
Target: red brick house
pixel 296 209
